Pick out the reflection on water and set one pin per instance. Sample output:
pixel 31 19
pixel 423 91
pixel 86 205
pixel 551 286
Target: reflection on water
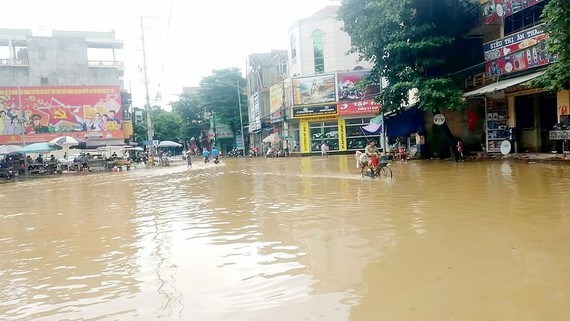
pixel 289 239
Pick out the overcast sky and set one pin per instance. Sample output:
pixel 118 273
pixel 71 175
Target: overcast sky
pixel 203 35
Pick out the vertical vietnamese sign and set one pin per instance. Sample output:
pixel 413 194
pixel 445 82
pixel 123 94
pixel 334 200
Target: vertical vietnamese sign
pixel 341 135
pixel 305 137
pixel 275 102
pixel 255 114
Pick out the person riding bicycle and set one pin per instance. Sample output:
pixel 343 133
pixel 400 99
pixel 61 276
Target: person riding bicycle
pixel 371 150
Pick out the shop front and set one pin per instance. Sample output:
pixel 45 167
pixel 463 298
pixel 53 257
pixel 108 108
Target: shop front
pixel 339 134
pixel 533 117
pixel 322 119
pixel 522 115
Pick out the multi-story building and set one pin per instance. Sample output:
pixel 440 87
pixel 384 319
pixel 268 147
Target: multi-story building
pixel 326 105
pixel 62 83
pixel 517 116
pixel 262 71
pixel 318 45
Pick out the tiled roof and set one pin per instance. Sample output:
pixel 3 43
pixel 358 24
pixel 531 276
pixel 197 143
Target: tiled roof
pixel 326 10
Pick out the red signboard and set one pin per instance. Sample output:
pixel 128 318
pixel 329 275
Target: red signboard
pixel 353 97
pixel 495 10
pixel 525 59
pixel 44 113
pixel 367 106
pixel 503 46
pixel 517 52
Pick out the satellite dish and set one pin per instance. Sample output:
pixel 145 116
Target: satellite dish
pixel 505 147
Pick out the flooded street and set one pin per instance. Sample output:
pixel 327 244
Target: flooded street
pixel 289 239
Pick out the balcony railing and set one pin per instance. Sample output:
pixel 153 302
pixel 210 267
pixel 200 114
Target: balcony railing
pixel 14 62
pixel 106 64
pixel 478 80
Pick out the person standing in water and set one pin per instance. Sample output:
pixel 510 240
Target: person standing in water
pixel 189 159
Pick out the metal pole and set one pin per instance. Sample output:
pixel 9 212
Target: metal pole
pixel 384 145
pixel 150 132
pixel 240 115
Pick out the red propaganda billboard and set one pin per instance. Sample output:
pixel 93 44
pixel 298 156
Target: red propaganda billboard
pixel 495 10
pixel 44 113
pixel 352 98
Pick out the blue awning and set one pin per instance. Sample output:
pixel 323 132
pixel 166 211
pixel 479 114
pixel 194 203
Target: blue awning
pixel 405 122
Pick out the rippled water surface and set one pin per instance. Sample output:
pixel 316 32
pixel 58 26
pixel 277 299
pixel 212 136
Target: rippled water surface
pixel 289 239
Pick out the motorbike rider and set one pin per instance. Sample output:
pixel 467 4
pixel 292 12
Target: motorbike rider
pixel 206 155
pixel 215 154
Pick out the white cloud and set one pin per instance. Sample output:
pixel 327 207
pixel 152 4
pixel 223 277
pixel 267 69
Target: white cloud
pixel 203 35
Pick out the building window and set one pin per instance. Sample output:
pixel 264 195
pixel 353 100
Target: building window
pixel 284 68
pixel 318 54
pixel 523 19
pixel 293 45
pixel 42 53
pixel 43 81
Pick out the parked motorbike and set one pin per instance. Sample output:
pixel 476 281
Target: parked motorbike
pixel 6 174
pixel 235 153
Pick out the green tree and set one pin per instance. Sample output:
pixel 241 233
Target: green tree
pixel 556 15
pixel 414 44
pixel 166 125
pixel 191 113
pixel 219 94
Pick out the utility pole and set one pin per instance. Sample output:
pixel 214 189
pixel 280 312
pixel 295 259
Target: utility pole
pixel 384 143
pixel 150 132
pixel 240 116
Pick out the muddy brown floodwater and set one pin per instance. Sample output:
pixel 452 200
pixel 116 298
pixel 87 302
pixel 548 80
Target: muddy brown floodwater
pixel 289 239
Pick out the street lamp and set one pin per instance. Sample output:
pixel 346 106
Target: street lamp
pixel 239 107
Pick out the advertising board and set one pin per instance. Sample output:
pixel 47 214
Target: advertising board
pixel 354 96
pixel 44 113
pixel 314 90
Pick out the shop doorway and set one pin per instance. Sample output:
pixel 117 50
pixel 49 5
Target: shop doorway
pixel 535 117
pixel 548 118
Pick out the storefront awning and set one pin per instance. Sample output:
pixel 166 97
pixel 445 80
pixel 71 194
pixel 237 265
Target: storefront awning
pixel 503 84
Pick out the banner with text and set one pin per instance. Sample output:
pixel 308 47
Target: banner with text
pixel 305 137
pixel 521 40
pixel 341 135
pixel 254 113
pixel 525 59
pixel 44 113
pixel 314 111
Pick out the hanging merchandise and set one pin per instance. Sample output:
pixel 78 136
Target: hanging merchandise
pixel 472 119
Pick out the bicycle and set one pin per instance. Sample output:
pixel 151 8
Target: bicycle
pixel 383 171
pixel 379 168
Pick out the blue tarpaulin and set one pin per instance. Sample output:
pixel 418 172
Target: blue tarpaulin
pixel 405 122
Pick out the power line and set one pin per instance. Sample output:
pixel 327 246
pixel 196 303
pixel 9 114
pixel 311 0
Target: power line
pixel 165 49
